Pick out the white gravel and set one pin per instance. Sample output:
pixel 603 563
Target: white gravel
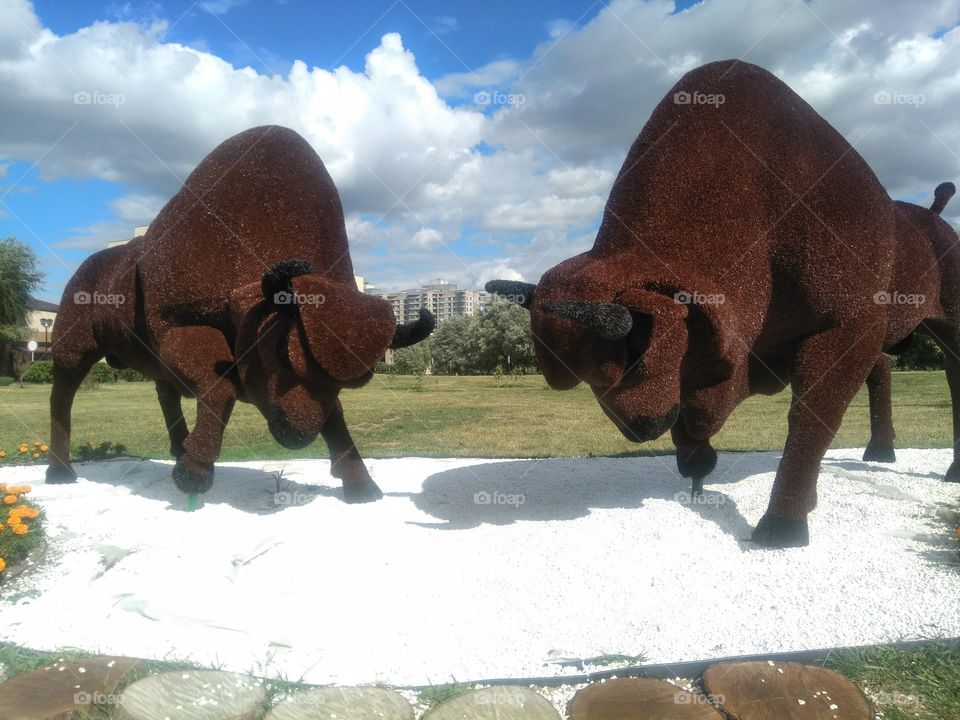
pixel 572 558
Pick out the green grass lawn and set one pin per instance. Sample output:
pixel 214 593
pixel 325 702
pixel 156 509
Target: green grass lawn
pixel 461 416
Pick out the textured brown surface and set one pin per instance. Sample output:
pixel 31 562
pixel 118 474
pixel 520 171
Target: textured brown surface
pixel 785 691
pixel 639 699
pixel 59 691
pixel 749 240
pixel 241 289
pixel 925 299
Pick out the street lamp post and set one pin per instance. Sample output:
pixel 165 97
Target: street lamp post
pixel 47 323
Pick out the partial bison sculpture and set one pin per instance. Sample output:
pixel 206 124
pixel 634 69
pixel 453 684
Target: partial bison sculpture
pixel 745 246
pixel 241 289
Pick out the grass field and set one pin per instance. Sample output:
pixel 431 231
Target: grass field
pixel 461 417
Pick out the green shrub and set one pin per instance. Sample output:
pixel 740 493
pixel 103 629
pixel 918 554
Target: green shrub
pixel 103 451
pixel 102 373
pixel 40 371
pixel 130 375
pixel 4 381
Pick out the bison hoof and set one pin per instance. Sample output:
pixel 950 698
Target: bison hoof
pixel 779 532
pixel 192 477
pixel 59 475
pixel 362 492
pixel 879 453
pixel 697 463
pixel 953 474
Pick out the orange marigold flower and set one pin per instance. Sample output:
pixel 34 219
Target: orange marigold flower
pixel 9 499
pixel 3 564
pixel 37 443
pixel 43 448
pixel 24 489
pixel 31 513
pixel 19 529
pixel 3 453
pixel 23 448
pixel 36 456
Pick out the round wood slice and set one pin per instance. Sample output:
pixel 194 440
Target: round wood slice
pixel 785 691
pixel 639 699
pixel 64 690
pixel 343 703
pixel 495 703
pixel 192 695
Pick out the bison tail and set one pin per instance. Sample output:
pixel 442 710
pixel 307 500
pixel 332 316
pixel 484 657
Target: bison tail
pixel 942 195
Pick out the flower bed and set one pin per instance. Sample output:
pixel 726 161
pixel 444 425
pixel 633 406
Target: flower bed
pixel 20 525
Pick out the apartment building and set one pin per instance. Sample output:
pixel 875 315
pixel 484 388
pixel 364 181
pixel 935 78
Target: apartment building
pixel 441 297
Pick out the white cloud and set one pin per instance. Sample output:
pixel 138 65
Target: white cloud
pixel 407 160
pixel 427 238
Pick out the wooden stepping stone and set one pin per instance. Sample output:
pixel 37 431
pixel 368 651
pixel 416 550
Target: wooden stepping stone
pixel 192 695
pixel 785 691
pixel 495 703
pixel 344 703
pixel 59 691
pixel 639 699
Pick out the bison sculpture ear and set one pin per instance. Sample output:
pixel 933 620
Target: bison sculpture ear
pixel 347 331
pixel 711 342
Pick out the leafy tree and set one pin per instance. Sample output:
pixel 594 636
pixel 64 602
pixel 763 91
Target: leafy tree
pixel 505 338
pixel 20 277
pixel 412 360
pixel 455 346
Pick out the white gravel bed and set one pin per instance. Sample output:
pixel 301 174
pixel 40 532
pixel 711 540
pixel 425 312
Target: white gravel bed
pixel 473 569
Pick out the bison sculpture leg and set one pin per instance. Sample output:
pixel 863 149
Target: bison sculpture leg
pixel 172 416
pixel 67 376
pixel 828 370
pixel 948 338
pixel 194 356
pixel 345 461
pixel 880 447
pixel 695 458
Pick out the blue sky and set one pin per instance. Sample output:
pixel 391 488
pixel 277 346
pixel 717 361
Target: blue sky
pixel 434 182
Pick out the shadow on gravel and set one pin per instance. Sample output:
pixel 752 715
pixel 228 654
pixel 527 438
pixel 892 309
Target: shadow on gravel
pixel 501 493
pixel 245 489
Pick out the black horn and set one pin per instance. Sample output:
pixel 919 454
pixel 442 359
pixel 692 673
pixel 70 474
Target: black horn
pixel 276 285
pixel 611 321
pixel 520 293
pixel 413 332
pixel 942 195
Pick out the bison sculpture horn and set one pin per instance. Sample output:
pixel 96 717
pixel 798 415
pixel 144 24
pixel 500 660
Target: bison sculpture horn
pixel 611 321
pixel 414 331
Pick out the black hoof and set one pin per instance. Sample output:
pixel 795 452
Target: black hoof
pixel 362 492
pixel 879 453
pixel 192 482
pixel 953 474
pixel 698 463
pixel 778 532
pixel 59 475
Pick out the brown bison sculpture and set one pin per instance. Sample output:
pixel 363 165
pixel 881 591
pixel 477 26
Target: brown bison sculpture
pixel 743 248
pixel 241 289
pixel 924 299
